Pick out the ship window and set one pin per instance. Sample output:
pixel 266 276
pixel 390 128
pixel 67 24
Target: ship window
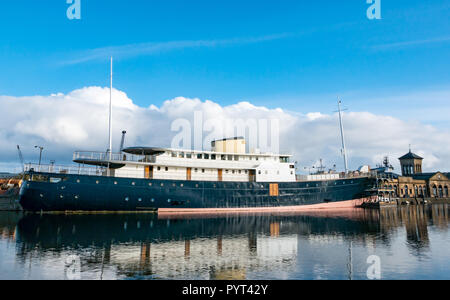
pixel 153 200
pixel 167 169
pixel 233 171
pixel 213 156
pixel 162 184
pixel 226 171
pixel 181 185
pixel 203 170
pixel 133 183
pixel 159 168
pixel 257 158
pixel 246 171
pixel 259 172
pixel 251 158
pixel 76 197
pixel 236 158
pixel 115 182
pixel 97 182
pixel 292 172
pixel 140 199
pixel 267 172
pixel 188 155
pixel 223 157
pixel 181 155
pixel 196 185
pixel 174 154
pixel 240 171
pixel 199 156
pixel 150 184
pixel 78 180
pixel 206 156
pixel 196 170
pixel 127 199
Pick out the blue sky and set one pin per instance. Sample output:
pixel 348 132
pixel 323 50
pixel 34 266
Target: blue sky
pixel 298 55
pixel 295 55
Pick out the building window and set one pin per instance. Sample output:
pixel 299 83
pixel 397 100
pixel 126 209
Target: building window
pixel 446 191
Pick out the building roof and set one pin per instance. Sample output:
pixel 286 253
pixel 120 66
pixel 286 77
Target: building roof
pixel 423 176
pixel 410 155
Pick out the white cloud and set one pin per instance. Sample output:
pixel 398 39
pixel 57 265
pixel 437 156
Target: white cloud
pixel 79 121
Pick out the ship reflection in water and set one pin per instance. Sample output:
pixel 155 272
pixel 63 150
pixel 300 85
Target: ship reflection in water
pixel 412 243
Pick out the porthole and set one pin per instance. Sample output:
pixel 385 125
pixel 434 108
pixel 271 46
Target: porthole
pixel 78 180
pixel 181 185
pixel 153 200
pixel 115 182
pixel 42 196
pixel 162 184
pixel 97 182
pixel 150 184
pixel 61 196
pixel 168 200
pixel 196 185
pixel 174 185
pixel 76 197
pixel 133 183
pixel 140 199
pixel 127 199
pixel 63 187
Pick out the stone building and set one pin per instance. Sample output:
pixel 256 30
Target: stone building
pixel 413 183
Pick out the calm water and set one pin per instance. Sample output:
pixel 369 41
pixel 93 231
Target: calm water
pixel 411 242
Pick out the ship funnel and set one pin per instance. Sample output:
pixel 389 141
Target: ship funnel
pixel 122 142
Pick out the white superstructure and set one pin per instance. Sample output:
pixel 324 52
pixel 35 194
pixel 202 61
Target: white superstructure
pixel 227 162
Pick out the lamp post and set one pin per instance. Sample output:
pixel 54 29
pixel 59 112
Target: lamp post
pixel 40 155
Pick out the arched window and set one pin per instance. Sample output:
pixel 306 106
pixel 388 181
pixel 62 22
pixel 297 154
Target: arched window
pixel 446 191
pixel 420 191
pixel 406 190
pixel 441 192
pixel 434 191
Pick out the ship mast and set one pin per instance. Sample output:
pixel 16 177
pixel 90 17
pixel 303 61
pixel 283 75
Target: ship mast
pixel 110 112
pixel 344 150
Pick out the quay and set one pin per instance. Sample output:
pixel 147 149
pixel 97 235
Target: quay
pixel 378 204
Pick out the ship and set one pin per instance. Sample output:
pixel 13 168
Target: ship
pixel 227 178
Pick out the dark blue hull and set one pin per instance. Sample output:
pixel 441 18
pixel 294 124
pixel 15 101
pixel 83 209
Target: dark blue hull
pixel 90 193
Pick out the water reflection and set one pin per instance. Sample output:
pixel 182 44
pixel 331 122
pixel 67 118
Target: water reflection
pixel 332 245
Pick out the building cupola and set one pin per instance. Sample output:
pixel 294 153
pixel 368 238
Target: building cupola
pixel 411 164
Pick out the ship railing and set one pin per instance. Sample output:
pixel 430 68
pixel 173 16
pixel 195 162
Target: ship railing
pixel 71 170
pixel 106 156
